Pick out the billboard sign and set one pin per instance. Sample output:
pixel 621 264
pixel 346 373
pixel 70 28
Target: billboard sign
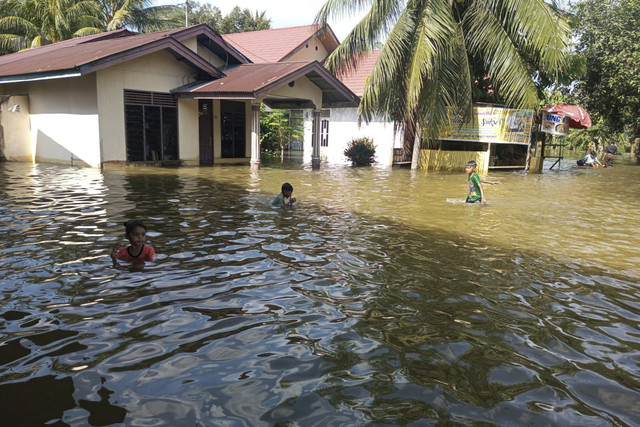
pixel 491 125
pixel 554 124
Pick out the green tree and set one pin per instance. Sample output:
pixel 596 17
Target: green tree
pixel 32 23
pixel 205 14
pixel 277 130
pixel 136 15
pixel 198 13
pixel 434 50
pixel 608 33
pixel 238 21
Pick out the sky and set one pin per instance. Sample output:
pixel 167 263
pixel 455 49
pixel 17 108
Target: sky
pixel 283 13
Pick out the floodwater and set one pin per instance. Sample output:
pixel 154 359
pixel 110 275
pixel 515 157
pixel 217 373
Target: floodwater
pixel 380 299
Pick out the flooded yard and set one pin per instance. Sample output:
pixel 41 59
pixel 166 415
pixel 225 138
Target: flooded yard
pixel 380 299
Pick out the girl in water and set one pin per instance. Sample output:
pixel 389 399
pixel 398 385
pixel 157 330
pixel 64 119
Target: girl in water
pixel 137 252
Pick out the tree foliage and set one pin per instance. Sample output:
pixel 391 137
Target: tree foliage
pixel 238 21
pixel 277 130
pixel 608 34
pixel 31 23
pixel 435 52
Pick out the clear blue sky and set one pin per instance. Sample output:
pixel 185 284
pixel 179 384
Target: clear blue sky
pixel 283 13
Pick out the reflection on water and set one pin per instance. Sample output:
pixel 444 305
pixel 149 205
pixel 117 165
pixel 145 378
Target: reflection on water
pixel 380 299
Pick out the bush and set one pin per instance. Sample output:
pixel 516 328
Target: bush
pixel 361 151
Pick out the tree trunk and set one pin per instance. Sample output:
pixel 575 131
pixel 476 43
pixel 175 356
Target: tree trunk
pixel 417 143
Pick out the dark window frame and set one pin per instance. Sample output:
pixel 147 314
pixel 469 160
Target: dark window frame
pixel 151 126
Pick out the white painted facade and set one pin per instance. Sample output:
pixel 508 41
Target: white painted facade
pixel 81 119
pixel 14 116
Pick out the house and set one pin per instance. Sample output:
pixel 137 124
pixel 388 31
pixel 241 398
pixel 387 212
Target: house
pixel 338 123
pixel 184 96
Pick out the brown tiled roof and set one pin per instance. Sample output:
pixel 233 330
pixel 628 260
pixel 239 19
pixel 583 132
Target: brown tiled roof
pixel 253 81
pixel 278 44
pixel 87 54
pixel 354 79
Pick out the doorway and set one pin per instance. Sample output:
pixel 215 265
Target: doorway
pixel 233 122
pixel 205 131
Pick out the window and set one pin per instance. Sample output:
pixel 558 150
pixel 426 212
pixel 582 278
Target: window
pixel 151 126
pixel 324 133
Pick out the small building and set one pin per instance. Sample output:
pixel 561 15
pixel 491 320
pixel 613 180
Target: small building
pixel 184 96
pixel 495 137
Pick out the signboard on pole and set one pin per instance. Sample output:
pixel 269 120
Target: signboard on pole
pixel 554 124
pixel 490 125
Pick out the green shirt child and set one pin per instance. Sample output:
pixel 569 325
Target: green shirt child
pixel 476 191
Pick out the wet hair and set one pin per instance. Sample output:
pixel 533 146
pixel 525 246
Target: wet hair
pixel 287 186
pixel 472 163
pixel 129 226
pixel 593 153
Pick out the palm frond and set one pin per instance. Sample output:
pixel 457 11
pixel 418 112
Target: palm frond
pixel 486 38
pixel 372 28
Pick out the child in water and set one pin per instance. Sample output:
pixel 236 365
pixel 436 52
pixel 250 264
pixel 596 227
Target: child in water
pixel 476 191
pixel 137 252
pixel 284 198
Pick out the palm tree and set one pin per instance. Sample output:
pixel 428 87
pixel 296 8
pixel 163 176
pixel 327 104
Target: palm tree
pixel 32 23
pixel 139 15
pixel 432 47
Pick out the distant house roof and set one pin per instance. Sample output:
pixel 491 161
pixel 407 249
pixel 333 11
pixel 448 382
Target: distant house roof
pixel 355 79
pixel 278 44
pixel 254 81
pixel 88 54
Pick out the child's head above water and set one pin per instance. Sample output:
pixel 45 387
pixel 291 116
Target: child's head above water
pixel 287 189
pixel 135 231
pixel 131 225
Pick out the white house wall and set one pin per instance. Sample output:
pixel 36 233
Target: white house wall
pixel 64 120
pixel 14 119
pixel 343 127
pixel 156 72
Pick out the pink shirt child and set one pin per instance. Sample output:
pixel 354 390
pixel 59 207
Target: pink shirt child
pixel 137 252
pixel 146 254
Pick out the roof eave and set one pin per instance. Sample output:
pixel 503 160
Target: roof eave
pixel 31 77
pixel 171 44
pixel 204 29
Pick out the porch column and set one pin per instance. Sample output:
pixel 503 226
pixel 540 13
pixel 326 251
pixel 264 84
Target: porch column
pixel 255 136
pixel 315 156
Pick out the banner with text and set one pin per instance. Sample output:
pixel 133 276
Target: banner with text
pixel 491 124
pixel 554 124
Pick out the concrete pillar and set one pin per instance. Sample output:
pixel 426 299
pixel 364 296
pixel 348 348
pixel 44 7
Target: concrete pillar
pixel 255 136
pixel 315 156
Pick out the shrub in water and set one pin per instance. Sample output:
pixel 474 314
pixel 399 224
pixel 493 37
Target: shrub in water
pixel 361 151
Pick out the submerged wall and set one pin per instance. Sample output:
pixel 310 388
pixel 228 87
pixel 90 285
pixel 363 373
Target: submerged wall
pixel 64 120
pixel 15 142
pixel 453 160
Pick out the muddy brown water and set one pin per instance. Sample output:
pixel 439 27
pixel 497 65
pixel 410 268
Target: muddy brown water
pixel 380 299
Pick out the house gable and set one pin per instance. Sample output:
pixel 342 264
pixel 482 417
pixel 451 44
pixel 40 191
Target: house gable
pixel 284 44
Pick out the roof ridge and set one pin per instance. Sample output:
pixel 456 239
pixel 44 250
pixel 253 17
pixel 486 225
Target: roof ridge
pixel 272 29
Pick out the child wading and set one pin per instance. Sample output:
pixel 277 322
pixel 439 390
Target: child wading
pixel 284 198
pixel 137 252
pixel 476 191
